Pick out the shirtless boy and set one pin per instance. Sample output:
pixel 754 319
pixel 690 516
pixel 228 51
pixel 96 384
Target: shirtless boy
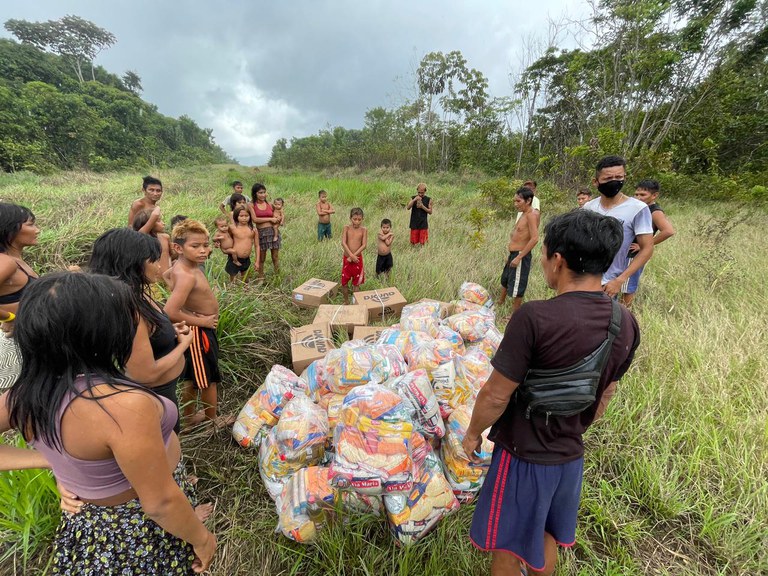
pixel 151 222
pixel 277 212
pixel 384 247
pixel 153 191
pixel 192 301
pixel 243 239
pixel 353 240
pixel 324 211
pixel 525 235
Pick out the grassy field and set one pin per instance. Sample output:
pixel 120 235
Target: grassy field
pixel 676 473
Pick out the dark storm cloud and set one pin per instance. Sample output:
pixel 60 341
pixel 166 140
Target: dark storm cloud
pixel 255 72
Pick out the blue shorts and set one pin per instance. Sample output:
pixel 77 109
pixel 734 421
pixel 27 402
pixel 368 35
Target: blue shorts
pixel 633 283
pixel 520 501
pixel 323 230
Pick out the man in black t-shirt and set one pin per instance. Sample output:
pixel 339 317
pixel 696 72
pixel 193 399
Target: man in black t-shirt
pixel 420 206
pixel 530 498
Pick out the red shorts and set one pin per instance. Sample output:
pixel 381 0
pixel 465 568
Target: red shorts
pixel 419 236
pixel 352 271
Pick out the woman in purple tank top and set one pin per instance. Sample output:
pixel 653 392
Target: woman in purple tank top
pixel 98 432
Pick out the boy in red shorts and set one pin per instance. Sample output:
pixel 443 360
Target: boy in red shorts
pixel 353 240
pixel 420 207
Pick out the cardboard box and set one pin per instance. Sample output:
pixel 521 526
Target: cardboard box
pixel 310 343
pixel 368 333
pixel 445 307
pixel 346 317
pixel 314 292
pixel 380 303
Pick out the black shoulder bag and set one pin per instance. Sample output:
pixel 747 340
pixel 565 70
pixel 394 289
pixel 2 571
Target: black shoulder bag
pixel 568 391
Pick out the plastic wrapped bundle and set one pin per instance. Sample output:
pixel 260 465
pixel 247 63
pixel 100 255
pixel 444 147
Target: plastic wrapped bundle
pixel 263 409
pixel 471 325
pixel 460 306
pixel 474 293
pixel 308 502
pixel 473 370
pixel 296 441
pixel 394 364
pixel 315 378
pixel 426 324
pixel 416 389
pixel 465 477
pixel 412 516
pixel 457 342
pixel 429 355
pixel 403 340
pixel 423 308
pixel 332 404
pixel 449 390
pixel 490 342
pixel 347 367
pixel 372 442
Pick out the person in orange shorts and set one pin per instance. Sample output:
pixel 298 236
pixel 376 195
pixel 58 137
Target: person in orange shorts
pixel 353 240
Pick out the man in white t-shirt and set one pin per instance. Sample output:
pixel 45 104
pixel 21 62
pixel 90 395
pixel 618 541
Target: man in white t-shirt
pixel 635 218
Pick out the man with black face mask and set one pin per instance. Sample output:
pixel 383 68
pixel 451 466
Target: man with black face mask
pixel 634 216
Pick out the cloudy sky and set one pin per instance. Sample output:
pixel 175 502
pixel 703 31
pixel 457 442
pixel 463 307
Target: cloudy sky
pixel 258 71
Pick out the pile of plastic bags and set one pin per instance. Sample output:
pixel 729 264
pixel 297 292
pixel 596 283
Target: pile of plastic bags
pixel 374 428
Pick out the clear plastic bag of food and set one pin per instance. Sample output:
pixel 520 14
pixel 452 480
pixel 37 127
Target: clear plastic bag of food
pixel 455 339
pixel 372 442
pixel 460 306
pixel 296 441
pixel 304 504
pixel 416 389
pixel 465 477
pixel 347 367
pixel 472 292
pixel 413 515
pixel 471 325
pixel 489 343
pixel 403 340
pixel 449 392
pixel 263 409
pixel 473 370
pixel 429 355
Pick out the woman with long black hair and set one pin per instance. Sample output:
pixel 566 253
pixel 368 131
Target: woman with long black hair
pixel 106 438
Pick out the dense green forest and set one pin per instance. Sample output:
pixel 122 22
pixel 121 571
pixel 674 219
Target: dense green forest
pixel 59 110
pixel 678 86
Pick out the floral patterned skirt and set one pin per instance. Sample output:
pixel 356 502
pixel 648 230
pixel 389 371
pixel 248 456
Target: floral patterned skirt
pixel 121 540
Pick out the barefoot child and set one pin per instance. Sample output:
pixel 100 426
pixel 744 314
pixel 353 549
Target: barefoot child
pixel 277 212
pixel 153 191
pixel 525 235
pixel 384 246
pixel 223 240
pixel 353 240
pixel 244 237
pixel 324 211
pixel 150 222
pixel 192 301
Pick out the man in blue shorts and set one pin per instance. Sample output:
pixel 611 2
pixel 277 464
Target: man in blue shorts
pixel 530 499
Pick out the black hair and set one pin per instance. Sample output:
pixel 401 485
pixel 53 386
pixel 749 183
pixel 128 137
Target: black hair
pixel 141 218
pixel 610 162
pixel 386 222
pixel 321 193
pixel 176 219
pixel 236 183
pixel 586 240
pixel 356 212
pixel 235 198
pixel 583 191
pixel 525 193
pixel 69 323
pixel 278 200
pixel 256 188
pixel 532 182
pixel 648 184
pixel 12 217
pixel 237 212
pixel 147 180
pixel 122 254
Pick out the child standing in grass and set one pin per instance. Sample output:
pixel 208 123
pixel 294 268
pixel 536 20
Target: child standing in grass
pixel 243 237
pixel 353 240
pixel 324 211
pixel 153 191
pixel 237 190
pixel 384 245
pixel 151 222
pixel 192 301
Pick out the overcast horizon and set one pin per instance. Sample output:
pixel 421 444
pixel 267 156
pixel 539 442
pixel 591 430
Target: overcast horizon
pixel 255 73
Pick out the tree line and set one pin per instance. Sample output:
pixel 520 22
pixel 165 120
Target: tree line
pixel 59 110
pixel 676 86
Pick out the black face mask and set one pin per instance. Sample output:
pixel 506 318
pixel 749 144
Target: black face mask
pixel 610 189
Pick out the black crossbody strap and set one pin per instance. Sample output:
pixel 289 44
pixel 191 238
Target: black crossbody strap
pixel 614 328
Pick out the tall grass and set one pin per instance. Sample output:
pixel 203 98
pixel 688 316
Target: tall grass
pixel 675 474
